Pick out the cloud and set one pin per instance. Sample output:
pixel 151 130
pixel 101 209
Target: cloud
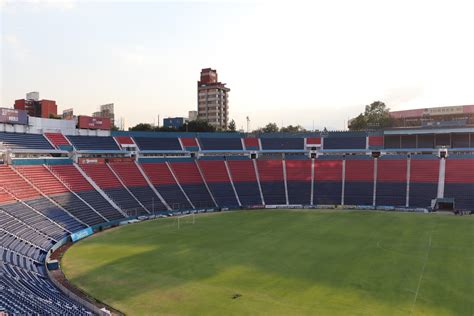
pixel 40 4
pixel 400 95
pixel 17 48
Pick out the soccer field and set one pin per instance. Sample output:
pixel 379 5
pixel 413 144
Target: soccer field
pixel 279 262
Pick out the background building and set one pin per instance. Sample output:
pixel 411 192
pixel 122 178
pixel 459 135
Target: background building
pixel 174 122
pixel 436 116
pixel 36 107
pixel 68 114
pixel 106 111
pixel 192 115
pixel 213 103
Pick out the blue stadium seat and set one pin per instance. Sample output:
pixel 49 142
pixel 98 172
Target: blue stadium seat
pixel 24 141
pixel 158 143
pixel 93 142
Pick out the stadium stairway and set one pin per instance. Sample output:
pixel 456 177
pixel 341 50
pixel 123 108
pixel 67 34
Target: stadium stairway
pixel 58 140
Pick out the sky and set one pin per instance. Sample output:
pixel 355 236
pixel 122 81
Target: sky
pixel 315 63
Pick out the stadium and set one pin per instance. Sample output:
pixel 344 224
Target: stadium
pixel 332 223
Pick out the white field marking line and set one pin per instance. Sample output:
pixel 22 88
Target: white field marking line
pixel 421 275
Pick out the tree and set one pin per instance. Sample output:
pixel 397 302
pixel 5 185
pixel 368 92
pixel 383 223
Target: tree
pixel 165 129
pixel 54 116
pixel 269 128
pixel 142 127
pixel 292 129
pixel 359 123
pixel 231 127
pixel 376 116
pixel 197 126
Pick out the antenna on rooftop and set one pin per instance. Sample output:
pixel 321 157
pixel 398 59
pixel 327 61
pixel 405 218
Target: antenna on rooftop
pixel 248 123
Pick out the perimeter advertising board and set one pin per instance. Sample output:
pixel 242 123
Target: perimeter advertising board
pixel 12 116
pixel 81 234
pixel 88 122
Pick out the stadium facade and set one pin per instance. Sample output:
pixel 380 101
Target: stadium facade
pixel 445 116
pixel 59 184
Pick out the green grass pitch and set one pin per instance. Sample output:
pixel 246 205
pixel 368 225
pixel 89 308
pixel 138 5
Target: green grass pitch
pixel 280 262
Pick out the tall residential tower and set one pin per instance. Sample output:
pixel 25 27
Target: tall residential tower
pixel 213 100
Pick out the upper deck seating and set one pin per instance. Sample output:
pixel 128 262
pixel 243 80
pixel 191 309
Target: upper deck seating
pixel 227 143
pixel 58 140
pixel 345 142
pixel 282 143
pixel 99 143
pixel 24 141
pixel 251 143
pixel 158 143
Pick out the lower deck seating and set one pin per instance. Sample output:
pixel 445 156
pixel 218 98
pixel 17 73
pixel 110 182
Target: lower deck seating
pixel 100 204
pixel 78 208
pixel 245 181
pixel 28 293
pixel 35 220
pixel 164 182
pixel 192 183
pixel 137 184
pixel 125 201
pixel 327 181
pixel 359 182
pixel 298 175
pixel 217 178
pixel 391 181
pixel 459 181
pixel 53 212
pixel 272 181
pixel 423 181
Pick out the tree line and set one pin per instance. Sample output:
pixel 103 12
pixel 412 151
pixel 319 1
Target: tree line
pixel 376 116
